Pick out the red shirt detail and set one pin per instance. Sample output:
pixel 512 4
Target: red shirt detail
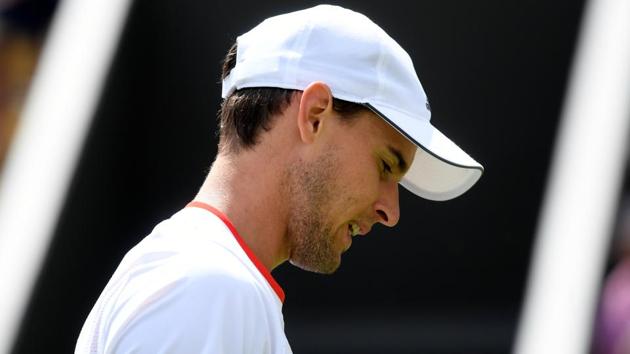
pixel 261 268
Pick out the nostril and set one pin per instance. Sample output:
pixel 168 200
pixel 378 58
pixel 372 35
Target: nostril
pixel 383 215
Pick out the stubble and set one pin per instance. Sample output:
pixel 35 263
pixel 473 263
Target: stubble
pixel 310 188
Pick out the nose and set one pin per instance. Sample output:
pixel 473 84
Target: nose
pixel 387 208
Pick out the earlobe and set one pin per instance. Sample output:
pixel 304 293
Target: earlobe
pixel 315 108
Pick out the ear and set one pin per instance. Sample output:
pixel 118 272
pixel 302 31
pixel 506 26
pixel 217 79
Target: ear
pixel 316 105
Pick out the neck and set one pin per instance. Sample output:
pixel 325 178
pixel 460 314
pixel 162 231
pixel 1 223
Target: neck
pixel 248 193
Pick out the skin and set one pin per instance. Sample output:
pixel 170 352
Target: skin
pixel 295 193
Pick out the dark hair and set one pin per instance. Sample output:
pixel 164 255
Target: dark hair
pixel 247 111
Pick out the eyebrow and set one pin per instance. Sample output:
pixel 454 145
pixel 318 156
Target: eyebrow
pixel 402 163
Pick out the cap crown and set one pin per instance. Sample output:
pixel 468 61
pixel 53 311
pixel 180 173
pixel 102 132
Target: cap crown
pixel 362 64
pixel 354 56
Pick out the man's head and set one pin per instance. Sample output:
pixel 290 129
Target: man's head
pixel 342 167
pixel 342 100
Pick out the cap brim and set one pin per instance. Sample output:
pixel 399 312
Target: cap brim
pixel 440 169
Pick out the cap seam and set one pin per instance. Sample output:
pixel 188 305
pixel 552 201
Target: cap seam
pixel 300 44
pixel 379 67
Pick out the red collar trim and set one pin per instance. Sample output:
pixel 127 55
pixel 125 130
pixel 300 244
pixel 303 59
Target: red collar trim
pixel 261 268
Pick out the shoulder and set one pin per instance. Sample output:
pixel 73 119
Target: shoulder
pixel 186 289
pixel 191 289
pixel 207 311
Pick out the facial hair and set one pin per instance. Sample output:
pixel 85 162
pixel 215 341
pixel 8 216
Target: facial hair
pixel 311 187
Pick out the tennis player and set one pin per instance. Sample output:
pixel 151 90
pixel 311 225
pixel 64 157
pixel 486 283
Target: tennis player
pixel 323 116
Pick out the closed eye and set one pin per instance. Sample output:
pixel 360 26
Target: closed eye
pixel 386 167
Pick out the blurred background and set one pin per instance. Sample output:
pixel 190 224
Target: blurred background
pixel 450 278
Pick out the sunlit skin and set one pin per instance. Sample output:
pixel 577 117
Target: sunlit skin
pixel 311 182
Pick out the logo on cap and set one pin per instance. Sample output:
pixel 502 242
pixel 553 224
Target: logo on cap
pixel 428 106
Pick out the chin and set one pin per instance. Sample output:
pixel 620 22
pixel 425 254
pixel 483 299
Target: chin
pixel 328 267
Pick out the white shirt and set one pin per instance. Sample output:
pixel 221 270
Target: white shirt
pixel 191 286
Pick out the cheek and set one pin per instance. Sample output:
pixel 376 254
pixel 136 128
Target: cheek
pixel 359 184
pixel 357 177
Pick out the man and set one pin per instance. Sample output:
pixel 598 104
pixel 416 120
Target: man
pixel 323 115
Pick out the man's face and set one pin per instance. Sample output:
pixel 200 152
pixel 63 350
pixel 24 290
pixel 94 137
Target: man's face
pixel 349 184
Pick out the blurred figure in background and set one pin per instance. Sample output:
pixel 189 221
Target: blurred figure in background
pixel 612 327
pixel 23 24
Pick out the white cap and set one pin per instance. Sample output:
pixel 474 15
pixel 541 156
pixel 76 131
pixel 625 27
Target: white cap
pixel 362 64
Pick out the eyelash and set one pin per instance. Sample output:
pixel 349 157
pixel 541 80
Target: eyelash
pixel 387 168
